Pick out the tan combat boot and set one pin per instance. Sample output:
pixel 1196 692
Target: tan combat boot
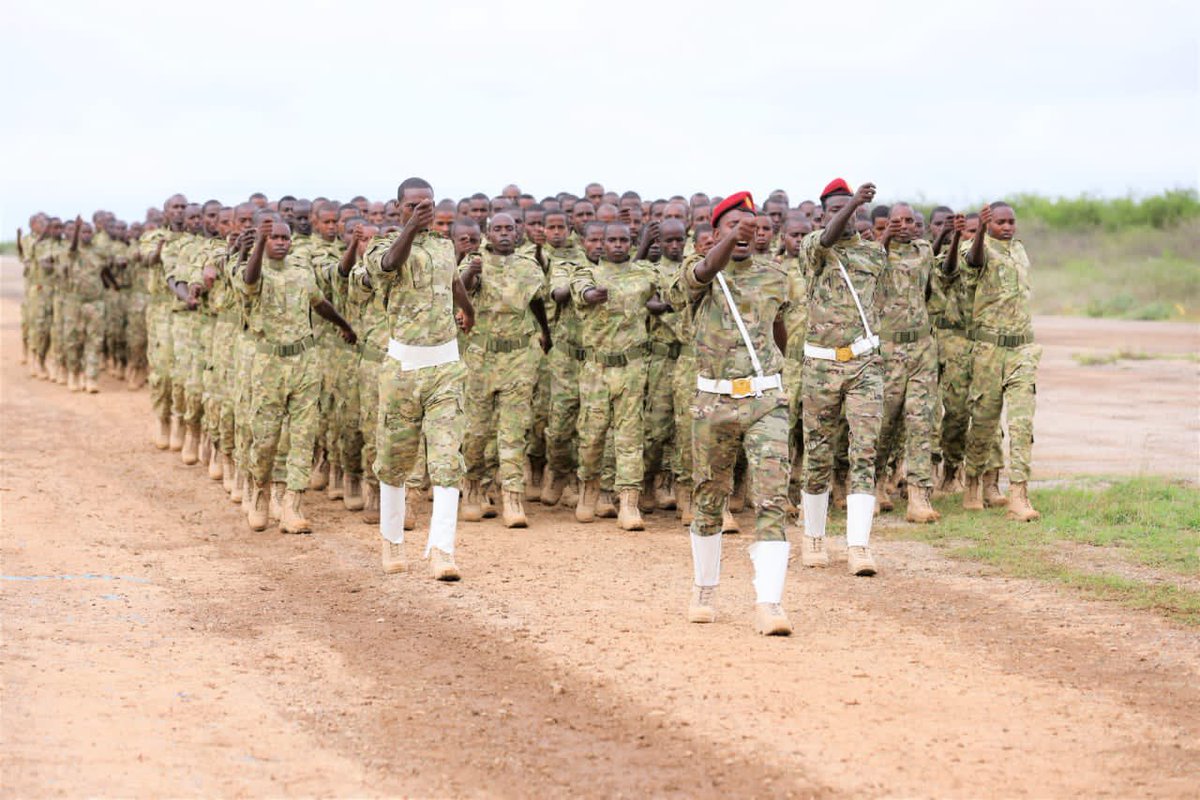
pixel 352 496
pixel 370 509
pixel 585 508
pixel 606 506
pixel 163 439
pixel 256 515
pixel 950 484
pixel 216 469
pixel 813 552
pixel 533 481
pixel 74 381
pixel 683 504
pixel 227 472
pixel 664 491
pixel 319 478
pixel 247 494
pixel 190 452
pixel 514 510
pixel 176 433
pixel 629 518
pixel 973 494
pixel 770 620
pixel 702 607
pixel 992 496
pixel 489 502
pixel 275 501
pixel 205 450
pixel 90 385
pixel 334 489
pixel 919 509
pixel 472 504
pixel 729 523
pixel 393 558
pixel 570 496
pixel 552 491
pixel 1019 507
pixel 883 500
pixel 860 561
pixel 646 502
pixel 237 490
pixel 442 566
pixel 291 518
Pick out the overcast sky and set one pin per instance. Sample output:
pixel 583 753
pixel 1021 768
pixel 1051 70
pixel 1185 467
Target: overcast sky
pixel 117 105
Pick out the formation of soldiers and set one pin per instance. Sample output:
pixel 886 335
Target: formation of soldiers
pixel 619 356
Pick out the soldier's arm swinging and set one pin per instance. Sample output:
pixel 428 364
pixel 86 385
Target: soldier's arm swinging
pixel 348 258
pixel 75 235
pixel 398 253
pixel 20 250
pixel 463 302
pixel 779 329
pixel 254 265
pixel 718 257
pixel 326 310
pixel 539 313
pixel 977 255
pixel 833 231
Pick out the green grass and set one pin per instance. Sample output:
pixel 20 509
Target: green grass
pixel 1151 522
pixel 1156 211
pixel 1124 354
pixel 8 248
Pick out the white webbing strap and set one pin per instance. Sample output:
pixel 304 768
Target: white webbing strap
pixel 741 326
pixel 854 294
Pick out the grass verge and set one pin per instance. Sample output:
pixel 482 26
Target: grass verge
pixel 1151 523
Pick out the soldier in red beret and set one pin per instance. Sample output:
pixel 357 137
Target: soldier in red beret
pixel 738 304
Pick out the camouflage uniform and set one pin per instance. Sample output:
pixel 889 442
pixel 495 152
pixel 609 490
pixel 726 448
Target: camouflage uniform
pixel 909 354
pixel 426 400
pixel 564 361
pixel 224 301
pixel 181 265
pixel 321 257
pixel 84 311
pixel 137 303
pixel 612 382
pixel 665 347
pixel 160 351
pixel 796 322
pixel 42 280
pixel 284 373
pixel 368 316
pixel 722 424
pixel 1004 372
pixel 502 367
pixel 854 386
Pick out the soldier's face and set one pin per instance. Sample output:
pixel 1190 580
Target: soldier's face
pixel 593 243
pixel 534 227
pixel 243 218
pixel 936 222
pixel 371 232
pixel 700 214
pixel 617 241
pixel 763 232
pixel 902 216
pixel 212 220
pixel 224 223
pixel 466 240
pixel 808 208
pixel 971 227
pixel 502 234
pixel 1004 223
pixel 704 242
pixel 835 204
pixel 287 209
pixel 375 213
pixel 581 214
pixel 794 230
pixel 443 221
pixel 675 211
pixel 280 241
pixel 594 194
pixel 193 220
pixel 411 199
pixel 727 227
pixel 776 211
pixel 85 233
pixel 173 210
pixel 302 219
pixel 673 240
pixel 478 210
pixel 55 227
pixel 556 230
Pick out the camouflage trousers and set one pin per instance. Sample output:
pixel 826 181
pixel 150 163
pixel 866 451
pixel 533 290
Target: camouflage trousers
pixel 83 349
pixel 218 382
pixel 187 366
pixel 957 356
pixel 910 395
pixel 660 415
pixel 499 398
pixel 161 356
pixel 722 427
pixel 563 415
pixel 242 433
pixel 684 391
pixel 422 404
pixel 344 434
pixel 793 382
pixel 135 329
pixel 283 391
pixel 39 316
pixel 114 326
pixel 829 390
pixel 1002 377
pixel 57 326
pixel 535 442
pixel 612 397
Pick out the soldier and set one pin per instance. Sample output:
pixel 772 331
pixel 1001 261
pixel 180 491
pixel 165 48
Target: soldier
pixel 738 304
pixel 660 457
pixel 843 374
pixel 87 274
pixel 181 269
pixel 614 300
pixel 564 361
pixel 40 253
pixel 368 310
pixel 224 304
pixel 502 366
pixel 421 385
pixel 793 231
pixel 909 354
pixel 1004 372
pixel 137 300
pixel 284 373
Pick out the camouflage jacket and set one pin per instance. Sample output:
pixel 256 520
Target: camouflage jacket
pixel 420 293
pixel 833 318
pixel 901 287
pixel 506 287
pixel 621 323
pixel 283 299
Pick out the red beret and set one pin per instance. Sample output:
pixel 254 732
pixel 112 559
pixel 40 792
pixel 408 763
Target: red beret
pixel 735 200
pixel 836 186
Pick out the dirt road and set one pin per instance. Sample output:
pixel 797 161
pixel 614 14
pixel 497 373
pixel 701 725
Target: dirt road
pixel 153 646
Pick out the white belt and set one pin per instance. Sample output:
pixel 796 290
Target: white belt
pixel 415 356
pixel 740 387
pixel 860 346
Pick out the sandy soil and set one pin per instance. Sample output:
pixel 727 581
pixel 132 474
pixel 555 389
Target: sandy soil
pixel 154 646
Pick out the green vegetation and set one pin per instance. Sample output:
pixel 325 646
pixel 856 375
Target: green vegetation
pixel 8 248
pixel 1158 211
pixel 1102 359
pixel 1151 524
